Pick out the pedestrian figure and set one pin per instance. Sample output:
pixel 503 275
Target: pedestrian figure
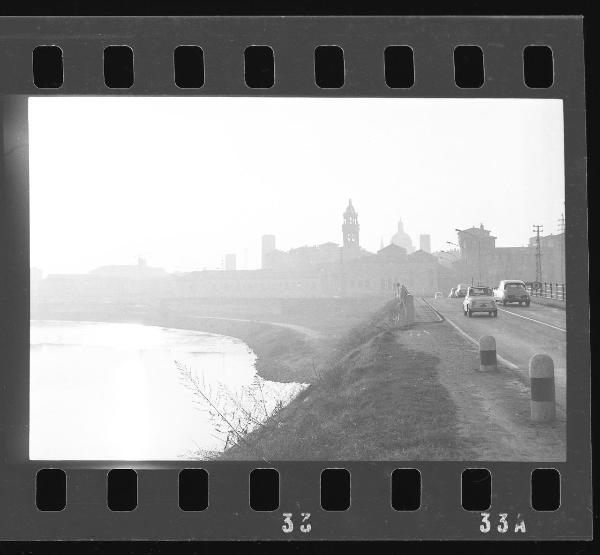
pixel 403 293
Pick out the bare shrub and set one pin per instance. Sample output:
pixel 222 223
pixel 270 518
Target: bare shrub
pixel 233 414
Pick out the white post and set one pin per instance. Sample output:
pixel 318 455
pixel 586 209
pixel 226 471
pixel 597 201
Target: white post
pixel 487 354
pixel 541 376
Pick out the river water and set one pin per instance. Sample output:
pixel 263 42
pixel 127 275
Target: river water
pixel 115 391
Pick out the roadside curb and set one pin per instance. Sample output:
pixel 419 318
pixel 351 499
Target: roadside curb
pixel 438 315
pixel 507 363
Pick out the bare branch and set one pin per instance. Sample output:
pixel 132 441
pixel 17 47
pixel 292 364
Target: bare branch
pixel 191 380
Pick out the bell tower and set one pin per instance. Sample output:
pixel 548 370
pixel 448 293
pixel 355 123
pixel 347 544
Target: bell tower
pixel 350 227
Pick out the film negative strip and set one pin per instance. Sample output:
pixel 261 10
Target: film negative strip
pixel 202 338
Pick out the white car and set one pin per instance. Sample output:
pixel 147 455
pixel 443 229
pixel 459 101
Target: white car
pixel 480 299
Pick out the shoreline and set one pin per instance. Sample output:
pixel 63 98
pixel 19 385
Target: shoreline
pixel 284 352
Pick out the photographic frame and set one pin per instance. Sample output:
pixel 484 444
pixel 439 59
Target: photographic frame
pixel 363 40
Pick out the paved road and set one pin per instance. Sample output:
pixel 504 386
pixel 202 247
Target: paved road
pixel 520 333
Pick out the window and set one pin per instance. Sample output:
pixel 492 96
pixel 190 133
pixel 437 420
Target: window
pixel 479 291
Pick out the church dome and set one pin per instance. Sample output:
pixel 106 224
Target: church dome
pixel 402 239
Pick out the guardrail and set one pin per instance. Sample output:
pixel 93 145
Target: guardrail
pixel 547 290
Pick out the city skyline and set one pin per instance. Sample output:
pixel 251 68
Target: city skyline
pixel 167 194
pixel 450 247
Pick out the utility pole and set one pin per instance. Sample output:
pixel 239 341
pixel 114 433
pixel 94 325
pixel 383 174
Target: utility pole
pixel 479 257
pixel 342 274
pixel 538 253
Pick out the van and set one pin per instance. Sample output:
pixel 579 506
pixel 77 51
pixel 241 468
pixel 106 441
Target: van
pixel 512 291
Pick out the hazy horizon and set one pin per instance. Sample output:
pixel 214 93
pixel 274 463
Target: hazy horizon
pixel 184 181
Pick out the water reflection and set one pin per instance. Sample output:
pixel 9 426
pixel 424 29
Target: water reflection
pixel 102 391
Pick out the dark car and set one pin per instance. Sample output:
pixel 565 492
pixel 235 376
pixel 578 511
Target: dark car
pixel 512 291
pixel 461 290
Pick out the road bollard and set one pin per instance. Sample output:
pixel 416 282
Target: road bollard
pixel 541 377
pixel 487 354
pixel 409 303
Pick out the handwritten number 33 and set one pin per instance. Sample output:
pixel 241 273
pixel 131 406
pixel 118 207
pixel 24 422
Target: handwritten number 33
pixel 288 524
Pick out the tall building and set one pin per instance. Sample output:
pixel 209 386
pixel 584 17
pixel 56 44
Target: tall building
pixel 474 239
pixel 230 262
pixel 402 239
pixel 425 243
pixel 350 227
pixel 482 261
pixel 268 246
pixel 477 247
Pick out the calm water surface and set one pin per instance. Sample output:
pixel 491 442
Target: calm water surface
pixel 102 391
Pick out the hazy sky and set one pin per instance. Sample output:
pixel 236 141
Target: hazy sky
pixel 182 181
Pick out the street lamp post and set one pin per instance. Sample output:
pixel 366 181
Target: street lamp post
pixel 478 250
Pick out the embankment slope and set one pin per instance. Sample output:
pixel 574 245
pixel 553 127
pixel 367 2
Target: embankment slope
pixel 374 399
pixel 406 393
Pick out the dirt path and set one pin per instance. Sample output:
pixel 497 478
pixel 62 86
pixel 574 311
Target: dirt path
pixel 492 408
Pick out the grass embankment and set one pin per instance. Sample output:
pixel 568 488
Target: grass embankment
pixel 375 399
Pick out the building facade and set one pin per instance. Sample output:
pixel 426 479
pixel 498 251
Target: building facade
pixel 482 262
